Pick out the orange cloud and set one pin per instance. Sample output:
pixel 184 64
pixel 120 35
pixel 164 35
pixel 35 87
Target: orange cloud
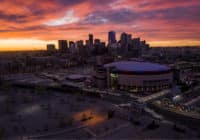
pixel 172 22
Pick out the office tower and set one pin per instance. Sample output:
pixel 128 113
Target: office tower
pixel 129 38
pixel 137 47
pixel 103 44
pixel 91 41
pixel 80 47
pixel 62 45
pixel 79 43
pixel 136 43
pixel 123 39
pixel 88 47
pixel 143 44
pixel 111 37
pixel 71 43
pixel 97 42
pixel 87 43
pixel 72 48
pixel 129 42
pixel 99 47
pixel 124 43
pixel 51 47
pixel 144 47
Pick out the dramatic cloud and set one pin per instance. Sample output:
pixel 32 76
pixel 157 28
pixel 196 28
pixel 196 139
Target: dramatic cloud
pixel 113 16
pixel 153 20
pixel 67 19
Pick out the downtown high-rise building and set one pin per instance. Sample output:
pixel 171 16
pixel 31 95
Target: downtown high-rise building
pixel 124 43
pixel 111 37
pixel 79 44
pixel 97 42
pixel 136 43
pixel 62 45
pixel 72 47
pixel 91 39
pixel 123 39
pixel 137 47
pixel 51 47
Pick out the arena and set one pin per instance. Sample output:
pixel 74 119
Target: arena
pixel 137 77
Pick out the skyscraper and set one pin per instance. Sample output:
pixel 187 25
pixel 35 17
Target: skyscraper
pixel 72 48
pixel 79 43
pixel 97 42
pixel 62 45
pixel 136 46
pixel 111 37
pixel 87 43
pixel 123 39
pixel 91 40
pixel 136 43
pixel 124 43
pixel 129 42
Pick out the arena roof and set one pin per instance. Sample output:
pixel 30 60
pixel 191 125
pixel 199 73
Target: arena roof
pixel 138 67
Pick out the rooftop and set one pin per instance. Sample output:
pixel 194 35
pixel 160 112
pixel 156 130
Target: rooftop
pixel 134 66
pixel 76 76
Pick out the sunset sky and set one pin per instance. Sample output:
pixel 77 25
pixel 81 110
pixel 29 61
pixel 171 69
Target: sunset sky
pixel 31 24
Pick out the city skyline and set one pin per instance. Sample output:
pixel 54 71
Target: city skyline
pixel 29 25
